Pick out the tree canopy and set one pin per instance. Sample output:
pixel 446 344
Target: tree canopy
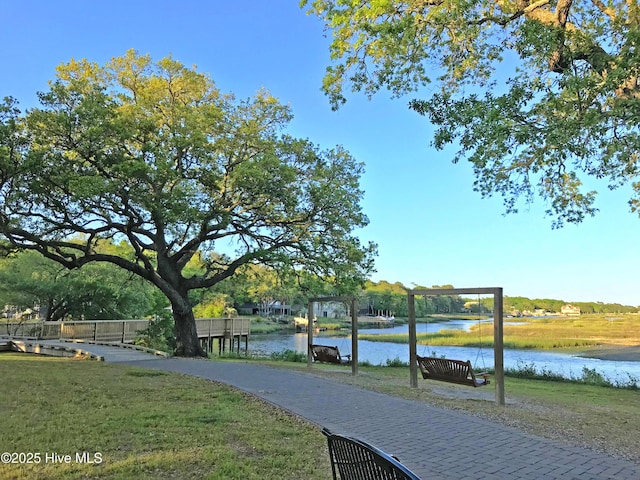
pixel 154 155
pixel 537 95
pixel 100 291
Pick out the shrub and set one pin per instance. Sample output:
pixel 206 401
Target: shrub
pixel 289 356
pixel 396 362
pixel 159 334
pixel 591 377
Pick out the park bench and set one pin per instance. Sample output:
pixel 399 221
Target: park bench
pixel 327 354
pixel 453 371
pixel 353 459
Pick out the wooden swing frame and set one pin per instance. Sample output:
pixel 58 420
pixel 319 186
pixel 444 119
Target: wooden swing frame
pixel 353 301
pixel 498 331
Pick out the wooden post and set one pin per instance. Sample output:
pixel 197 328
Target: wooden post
pixel 413 363
pixel 232 336
pixel 239 334
pixel 498 345
pixel 498 331
pixel 309 332
pixel 223 339
pixel 246 323
pixel 354 336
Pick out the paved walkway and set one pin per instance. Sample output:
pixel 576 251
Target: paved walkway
pixel 109 353
pixel 435 443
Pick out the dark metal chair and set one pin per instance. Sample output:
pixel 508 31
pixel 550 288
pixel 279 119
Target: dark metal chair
pixel 352 459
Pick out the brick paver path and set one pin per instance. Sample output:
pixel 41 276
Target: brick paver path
pixel 435 443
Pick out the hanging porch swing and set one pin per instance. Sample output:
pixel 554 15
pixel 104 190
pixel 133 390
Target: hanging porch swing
pixel 453 371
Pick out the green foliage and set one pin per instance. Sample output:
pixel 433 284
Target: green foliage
pixel 529 370
pixel 289 356
pixel 521 304
pixel 396 362
pixel 589 376
pixel 383 286
pixel 95 292
pixel 159 334
pixel 592 377
pixel 600 307
pixel 154 155
pixel 212 305
pixel 385 297
pixel 538 96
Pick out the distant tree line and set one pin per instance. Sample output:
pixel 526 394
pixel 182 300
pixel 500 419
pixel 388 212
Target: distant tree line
pixel 102 291
pixel 522 304
pixel 393 297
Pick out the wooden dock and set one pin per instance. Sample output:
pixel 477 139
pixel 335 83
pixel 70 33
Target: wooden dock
pixel 229 331
pixel 224 330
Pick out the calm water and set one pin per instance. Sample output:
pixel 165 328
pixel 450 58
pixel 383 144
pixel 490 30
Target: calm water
pixel 377 353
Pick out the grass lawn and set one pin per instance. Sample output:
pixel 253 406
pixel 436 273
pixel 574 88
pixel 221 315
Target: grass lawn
pixel 150 424
pixel 146 425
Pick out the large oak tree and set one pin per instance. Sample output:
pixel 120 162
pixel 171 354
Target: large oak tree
pixel 153 154
pixel 538 95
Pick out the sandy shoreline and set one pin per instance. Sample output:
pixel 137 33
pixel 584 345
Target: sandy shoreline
pixel 614 353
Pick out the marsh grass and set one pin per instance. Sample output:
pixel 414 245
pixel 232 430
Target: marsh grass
pixel 543 333
pixel 588 376
pixel 147 425
pixel 578 331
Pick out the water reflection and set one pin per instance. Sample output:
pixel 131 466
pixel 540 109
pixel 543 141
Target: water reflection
pixel 378 353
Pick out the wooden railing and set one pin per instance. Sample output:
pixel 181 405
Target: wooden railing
pixel 231 330
pixel 223 327
pixel 124 331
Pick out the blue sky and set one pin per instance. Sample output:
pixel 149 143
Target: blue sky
pixel 430 226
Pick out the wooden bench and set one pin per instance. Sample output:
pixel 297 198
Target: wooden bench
pixel 354 459
pixel 453 371
pixel 327 354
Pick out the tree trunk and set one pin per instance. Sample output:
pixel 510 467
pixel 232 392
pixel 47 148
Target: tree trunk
pixel 187 343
